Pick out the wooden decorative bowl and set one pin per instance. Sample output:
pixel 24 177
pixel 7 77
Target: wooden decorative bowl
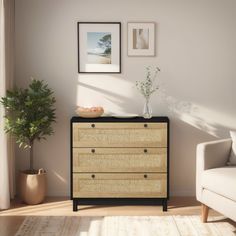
pixel 92 112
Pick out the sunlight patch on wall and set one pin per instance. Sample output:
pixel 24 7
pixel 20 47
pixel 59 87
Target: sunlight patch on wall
pixel 208 120
pixel 62 179
pixel 109 91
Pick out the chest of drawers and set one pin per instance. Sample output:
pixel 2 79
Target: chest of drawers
pixel 119 161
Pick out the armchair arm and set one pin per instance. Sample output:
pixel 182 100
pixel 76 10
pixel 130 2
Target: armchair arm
pixel 210 155
pixel 213 154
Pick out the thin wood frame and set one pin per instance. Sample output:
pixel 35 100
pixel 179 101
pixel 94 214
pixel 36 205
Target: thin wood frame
pixel 154 38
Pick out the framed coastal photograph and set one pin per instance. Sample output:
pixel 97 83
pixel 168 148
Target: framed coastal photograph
pixel 141 39
pixel 99 47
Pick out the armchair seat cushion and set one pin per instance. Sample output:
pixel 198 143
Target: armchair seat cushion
pixel 221 181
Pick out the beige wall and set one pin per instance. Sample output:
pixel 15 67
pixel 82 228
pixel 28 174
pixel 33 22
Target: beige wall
pixel 195 51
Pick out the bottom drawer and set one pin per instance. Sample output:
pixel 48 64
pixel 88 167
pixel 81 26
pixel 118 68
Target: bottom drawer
pixel 122 185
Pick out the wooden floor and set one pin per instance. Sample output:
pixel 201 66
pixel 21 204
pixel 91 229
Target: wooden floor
pixel 11 219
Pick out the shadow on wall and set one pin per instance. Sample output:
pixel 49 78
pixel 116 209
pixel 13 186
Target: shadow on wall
pixel 183 141
pixel 209 121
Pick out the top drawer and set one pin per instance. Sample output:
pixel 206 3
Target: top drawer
pixel 119 134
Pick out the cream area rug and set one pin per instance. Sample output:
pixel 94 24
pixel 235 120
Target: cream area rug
pixel 124 226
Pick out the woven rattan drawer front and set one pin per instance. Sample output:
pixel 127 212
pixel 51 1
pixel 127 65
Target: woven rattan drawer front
pixel 124 185
pixel 119 135
pixel 119 160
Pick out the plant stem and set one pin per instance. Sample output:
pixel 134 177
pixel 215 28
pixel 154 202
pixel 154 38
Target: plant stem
pixel 31 156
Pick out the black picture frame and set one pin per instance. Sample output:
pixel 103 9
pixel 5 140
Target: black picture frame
pixel 80 69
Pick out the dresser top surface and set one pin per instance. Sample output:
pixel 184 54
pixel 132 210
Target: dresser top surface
pixel 114 119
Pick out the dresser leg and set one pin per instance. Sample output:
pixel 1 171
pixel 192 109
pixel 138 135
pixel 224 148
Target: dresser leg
pixel 164 205
pixel 75 207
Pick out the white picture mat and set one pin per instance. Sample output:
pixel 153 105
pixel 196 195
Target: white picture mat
pixel 114 29
pixel 141 52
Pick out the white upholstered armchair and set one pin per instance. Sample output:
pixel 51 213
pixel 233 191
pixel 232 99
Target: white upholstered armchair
pixel 215 181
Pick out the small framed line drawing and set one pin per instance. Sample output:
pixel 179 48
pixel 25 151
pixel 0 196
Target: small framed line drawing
pixel 141 39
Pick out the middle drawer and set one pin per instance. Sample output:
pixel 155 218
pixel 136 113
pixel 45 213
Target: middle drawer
pixel 119 159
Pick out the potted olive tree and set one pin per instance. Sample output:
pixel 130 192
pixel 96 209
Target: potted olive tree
pixel 29 116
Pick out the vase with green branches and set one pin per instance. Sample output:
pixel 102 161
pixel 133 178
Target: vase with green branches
pixel 147 87
pixel 29 115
